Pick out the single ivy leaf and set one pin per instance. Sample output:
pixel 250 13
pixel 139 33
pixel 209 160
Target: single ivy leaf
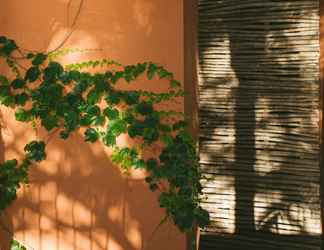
pixel 23 115
pixel 112 98
pixel 151 164
pixel 39 59
pixel 153 187
pixel 65 78
pixel 93 96
pixel 152 120
pixel 21 99
pixel 167 140
pixel 164 128
pixel 64 134
pixel 179 125
pixel 111 113
pixel 91 135
pixel 86 120
pixel 99 120
pixel 7 100
pixel 4 91
pixel 150 135
pixel 3 39
pixel 53 71
pixel 32 74
pixel 4 80
pixel 35 150
pixel 74 75
pixel 109 139
pixel 93 110
pixel 118 75
pixel 18 83
pixel 152 69
pixel 139 164
pixel 71 120
pixel 49 122
pixel 131 97
pixel 30 55
pixel 135 129
pixel 163 73
pixel 117 127
pixel 8 47
pixel 144 108
pixel 174 83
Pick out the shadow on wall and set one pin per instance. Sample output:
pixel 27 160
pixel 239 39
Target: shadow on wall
pixel 76 202
pixel 264 134
pixel 77 199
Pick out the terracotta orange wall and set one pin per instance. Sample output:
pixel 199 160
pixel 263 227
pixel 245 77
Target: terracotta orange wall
pixel 77 199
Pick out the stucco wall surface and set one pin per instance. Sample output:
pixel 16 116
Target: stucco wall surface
pixel 77 199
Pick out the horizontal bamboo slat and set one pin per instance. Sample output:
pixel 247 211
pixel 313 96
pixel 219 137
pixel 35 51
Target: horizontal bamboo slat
pixel 259 113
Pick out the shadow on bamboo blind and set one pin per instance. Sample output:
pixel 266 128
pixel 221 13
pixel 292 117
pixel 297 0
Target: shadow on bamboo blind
pixel 259 112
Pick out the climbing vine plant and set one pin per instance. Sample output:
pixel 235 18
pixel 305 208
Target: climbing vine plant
pixel 65 99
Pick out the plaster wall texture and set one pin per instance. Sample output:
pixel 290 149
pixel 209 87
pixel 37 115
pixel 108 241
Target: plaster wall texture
pixel 77 199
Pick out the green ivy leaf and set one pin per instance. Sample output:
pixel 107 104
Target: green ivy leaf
pixel 99 120
pixel 71 120
pixel 93 110
pixel 21 99
pixel 91 135
pixel 86 120
pixel 49 122
pixel 7 100
pixel 3 39
pixel 152 69
pixel 39 59
pixel 150 135
pixel 117 127
pixel 179 125
pixel 18 83
pixel 53 71
pixel 32 74
pixel 112 98
pixel 144 108
pixel 111 113
pixel 131 97
pixel 4 80
pixel 23 115
pixel 163 73
pixel 109 139
pixel 167 140
pixel 151 164
pixel 35 150
pixel 175 83
pixel 30 55
pixel 93 96
pixel 136 129
pixel 64 134
pixel 8 47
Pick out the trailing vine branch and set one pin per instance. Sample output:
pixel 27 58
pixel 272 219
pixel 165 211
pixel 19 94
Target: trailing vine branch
pixel 72 25
pixel 64 99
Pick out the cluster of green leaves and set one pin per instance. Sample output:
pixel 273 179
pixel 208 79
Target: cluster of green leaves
pixel 15 245
pixel 12 174
pixel 69 98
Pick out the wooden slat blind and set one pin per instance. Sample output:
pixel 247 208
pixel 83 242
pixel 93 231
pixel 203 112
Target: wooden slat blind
pixel 259 114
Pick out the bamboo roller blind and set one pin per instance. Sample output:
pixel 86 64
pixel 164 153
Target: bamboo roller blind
pixel 259 114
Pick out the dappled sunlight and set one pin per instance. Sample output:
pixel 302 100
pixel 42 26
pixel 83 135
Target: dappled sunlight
pixel 143 14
